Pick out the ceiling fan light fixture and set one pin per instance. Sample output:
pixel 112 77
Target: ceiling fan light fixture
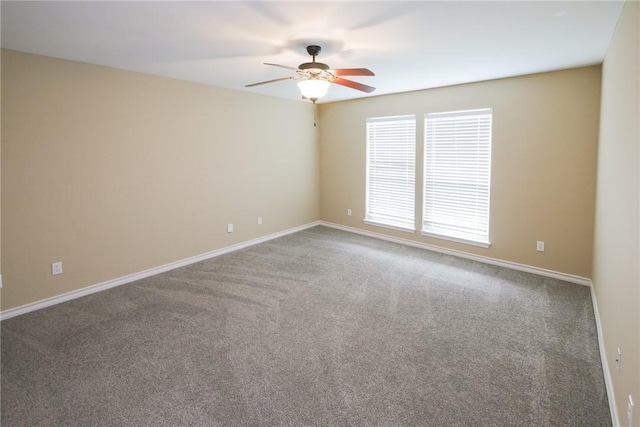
pixel 313 89
pixel 315 77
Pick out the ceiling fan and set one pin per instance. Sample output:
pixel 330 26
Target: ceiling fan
pixel 316 77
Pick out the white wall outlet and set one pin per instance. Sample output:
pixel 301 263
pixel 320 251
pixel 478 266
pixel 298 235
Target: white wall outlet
pixel 0 281
pixel 56 268
pixel 259 220
pixel 229 228
pixel 618 359
pixel 630 411
pixel 349 212
pixel 540 246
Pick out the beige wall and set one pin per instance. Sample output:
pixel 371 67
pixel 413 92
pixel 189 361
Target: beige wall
pixel 545 130
pixel 616 267
pixel 115 172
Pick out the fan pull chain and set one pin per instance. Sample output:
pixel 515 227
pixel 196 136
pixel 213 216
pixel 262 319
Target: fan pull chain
pixel 315 114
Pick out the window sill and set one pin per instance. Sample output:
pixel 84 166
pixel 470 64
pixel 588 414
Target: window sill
pixel 456 239
pixel 392 227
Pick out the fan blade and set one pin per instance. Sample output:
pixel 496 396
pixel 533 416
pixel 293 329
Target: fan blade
pixel 271 81
pixel 281 66
pixel 354 85
pixel 352 72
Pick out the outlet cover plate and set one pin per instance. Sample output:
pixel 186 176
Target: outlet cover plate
pixel 56 268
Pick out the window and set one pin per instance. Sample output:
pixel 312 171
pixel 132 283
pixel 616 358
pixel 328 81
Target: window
pixel 457 170
pixel 391 163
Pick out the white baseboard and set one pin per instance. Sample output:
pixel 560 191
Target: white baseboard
pixel 605 365
pixel 161 269
pixel 493 261
pixel 6 314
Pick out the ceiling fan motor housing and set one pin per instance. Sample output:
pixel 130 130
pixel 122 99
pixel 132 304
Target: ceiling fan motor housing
pixel 312 65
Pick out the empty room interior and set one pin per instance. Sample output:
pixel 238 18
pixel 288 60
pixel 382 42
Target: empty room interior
pixel 188 237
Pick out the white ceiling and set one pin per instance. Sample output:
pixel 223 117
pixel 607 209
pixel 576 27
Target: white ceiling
pixel 410 45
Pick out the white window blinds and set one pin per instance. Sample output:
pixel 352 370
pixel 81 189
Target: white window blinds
pixel 457 170
pixel 391 151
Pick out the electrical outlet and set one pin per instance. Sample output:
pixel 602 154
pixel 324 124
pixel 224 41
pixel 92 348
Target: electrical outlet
pixel 56 268
pixel 229 228
pixel 349 212
pixel 630 411
pixel 618 359
pixel 259 220
pixel 540 246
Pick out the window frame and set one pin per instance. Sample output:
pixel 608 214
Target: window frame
pixel 410 145
pixel 445 228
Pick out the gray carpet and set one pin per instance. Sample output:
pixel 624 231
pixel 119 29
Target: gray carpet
pixel 321 327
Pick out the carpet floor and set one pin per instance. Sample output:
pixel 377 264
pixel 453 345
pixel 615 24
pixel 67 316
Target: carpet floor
pixel 320 327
